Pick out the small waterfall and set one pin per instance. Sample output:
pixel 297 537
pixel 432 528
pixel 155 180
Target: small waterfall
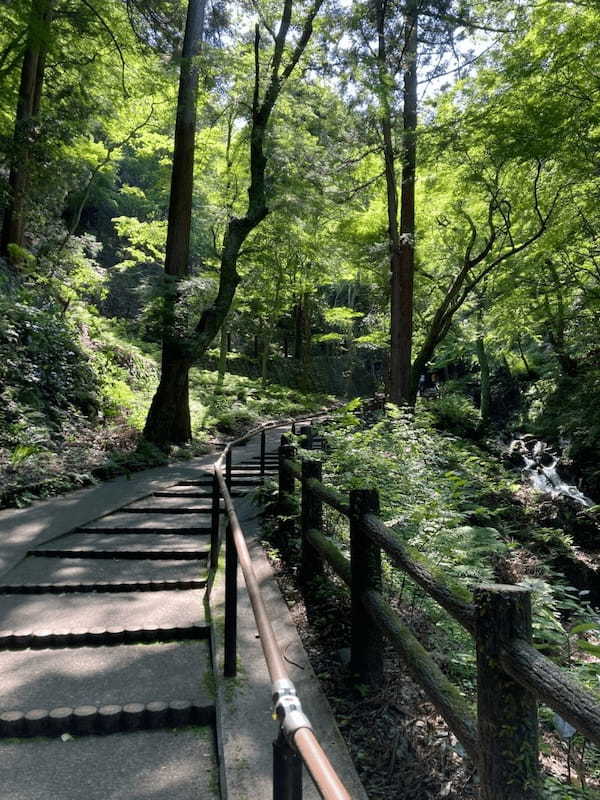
pixel 541 470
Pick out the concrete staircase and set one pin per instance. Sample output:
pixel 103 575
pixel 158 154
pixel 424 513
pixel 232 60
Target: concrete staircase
pixel 106 664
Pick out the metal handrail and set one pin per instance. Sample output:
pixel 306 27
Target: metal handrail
pixel 296 732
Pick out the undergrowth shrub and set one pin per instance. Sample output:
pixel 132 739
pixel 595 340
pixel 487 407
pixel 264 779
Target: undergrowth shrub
pixel 456 412
pixel 44 373
pixel 444 497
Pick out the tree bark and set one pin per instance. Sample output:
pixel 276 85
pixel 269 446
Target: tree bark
pixel 169 419
pixel 188 348
pixel 557 326
pixel 223 350
pixel 239 228
pixel 299 328
pixel 28 107
pixel 169 416
pixel 485 402
pixel 402 278
pixel 389 159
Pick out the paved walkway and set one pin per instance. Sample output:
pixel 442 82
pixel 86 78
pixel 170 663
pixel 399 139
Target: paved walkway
pixel 103 631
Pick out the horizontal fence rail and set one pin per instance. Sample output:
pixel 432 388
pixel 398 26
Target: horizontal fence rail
pixel 512 675
pixel 296 744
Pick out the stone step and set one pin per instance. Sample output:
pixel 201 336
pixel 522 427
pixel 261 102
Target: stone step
pixel 157 529
pixel 237 481
pixel 59 618
pixel 86 552
pixel 250 468
pixel 182 493
pixel 149 507
pixel 103 676
pixel 53 570
pixel 132 540
pixel 123 519
pixel 153 765
pixel 169 505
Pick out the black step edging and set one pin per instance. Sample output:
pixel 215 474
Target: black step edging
pixel 141 555
pixel 175 493
pixel 208 482
pixel 100 637
pixel 104 720
pixel 241 481
pixel 250 467
pixel 102 586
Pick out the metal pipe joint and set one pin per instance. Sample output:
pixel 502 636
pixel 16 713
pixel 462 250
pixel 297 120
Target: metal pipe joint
pixel 287 708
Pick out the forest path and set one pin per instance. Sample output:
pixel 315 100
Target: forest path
pixel 103 631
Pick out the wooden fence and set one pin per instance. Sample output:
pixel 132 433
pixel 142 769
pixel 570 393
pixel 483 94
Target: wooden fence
pixel 501 737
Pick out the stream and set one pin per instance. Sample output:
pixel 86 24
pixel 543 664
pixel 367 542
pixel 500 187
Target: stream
pixel 541 470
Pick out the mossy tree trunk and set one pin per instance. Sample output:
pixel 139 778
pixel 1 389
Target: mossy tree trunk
pixel 403 266
pixel 186 349
pixel 169 420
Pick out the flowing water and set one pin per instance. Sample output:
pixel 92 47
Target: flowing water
pixel 541 470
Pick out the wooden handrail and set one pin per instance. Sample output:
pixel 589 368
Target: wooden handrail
pixel 462 611
pixel 512 674
pixel 423 669
pixel 534 671
pixel 440 691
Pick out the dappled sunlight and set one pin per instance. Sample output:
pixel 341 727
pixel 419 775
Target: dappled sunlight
pixel 138 766
pixel 103 675
pixel 80 612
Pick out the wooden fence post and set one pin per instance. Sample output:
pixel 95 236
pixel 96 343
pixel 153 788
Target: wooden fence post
pixel 506 712
pixel 367 642
pixel 312 517
pixel 306 432
pixel 287 483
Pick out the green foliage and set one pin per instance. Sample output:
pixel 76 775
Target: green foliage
pixel 554 790
pixel 568 410
pixel 240 403
pixel 436 490
pixel 455 412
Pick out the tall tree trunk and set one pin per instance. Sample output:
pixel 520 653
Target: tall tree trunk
pixel 557 326
pixel 239 228
pixel 485 402
pixel 389 168
pixel 159 427
pixel 402 278
pixel 266 346
pixel 28 107
pixel 306 341
pixel 169 416
pixel 223 350
pixel 299 312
